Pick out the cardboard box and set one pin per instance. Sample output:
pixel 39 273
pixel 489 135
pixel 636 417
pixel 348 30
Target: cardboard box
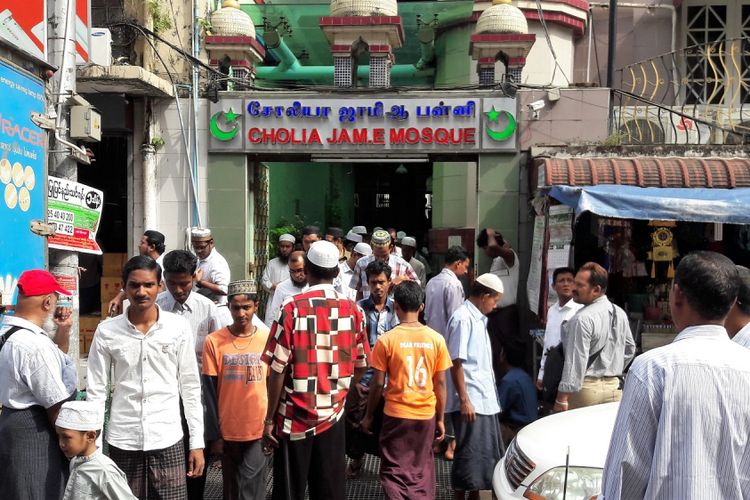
pixel 88 324
pixel 112 264
pixel 110 287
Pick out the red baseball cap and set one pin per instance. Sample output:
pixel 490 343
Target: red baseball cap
pixel 39 282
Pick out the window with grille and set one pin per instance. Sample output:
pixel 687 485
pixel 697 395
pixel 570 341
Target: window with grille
pixel 717 57
pixel 383 200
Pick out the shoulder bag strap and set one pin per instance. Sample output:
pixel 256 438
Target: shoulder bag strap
pixel 593 357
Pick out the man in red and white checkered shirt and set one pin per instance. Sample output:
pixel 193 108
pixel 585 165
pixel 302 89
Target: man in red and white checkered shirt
pixel 317 351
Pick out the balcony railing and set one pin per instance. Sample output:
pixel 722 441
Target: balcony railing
pixel 696 95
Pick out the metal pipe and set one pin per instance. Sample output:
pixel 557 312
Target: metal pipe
pixel 588 56
pixel 195 219
pixel 149 187
pixel 611 43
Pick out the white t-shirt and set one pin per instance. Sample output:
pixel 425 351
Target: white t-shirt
pixel 33 370
pixel 509 277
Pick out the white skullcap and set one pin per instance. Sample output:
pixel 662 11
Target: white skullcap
pixel 80 416
pixel 354 237
pixel 400 235
pixel 492 282
pixel 408 241
pixel 287 237
pixel 363 249
pixel 359 230
pixel 323 254
pixel 200 233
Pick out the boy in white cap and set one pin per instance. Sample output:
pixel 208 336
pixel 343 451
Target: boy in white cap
pixel 346 269
pixel 213 274
pixel 92 474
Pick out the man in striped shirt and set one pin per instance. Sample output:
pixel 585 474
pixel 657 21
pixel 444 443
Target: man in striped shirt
pixel 738 321
pixel 684 421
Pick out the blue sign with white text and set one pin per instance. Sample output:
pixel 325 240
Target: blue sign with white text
pixel 22 176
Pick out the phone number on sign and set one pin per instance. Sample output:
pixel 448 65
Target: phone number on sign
pixel 67 229
pixel 56 215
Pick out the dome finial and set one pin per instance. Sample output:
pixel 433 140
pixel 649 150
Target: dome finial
pixel 232 4
pixel 499 2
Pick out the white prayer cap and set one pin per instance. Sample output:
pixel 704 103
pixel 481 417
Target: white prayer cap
pixel 323 254
pixel 408 241
pixel 200 233
pixel 400 235
pixel 359 230
pixel 363 249
pixel 354 237
pixel 492 282
pixel 80 416
pixel 287 237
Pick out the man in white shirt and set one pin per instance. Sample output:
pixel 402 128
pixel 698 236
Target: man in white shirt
pixel 503 324
pixel 738 321
pixel 277 269
pixel 213 275
pixel 683 424
pixel 179 271
pixel 36 378
pixel 150 354
pixel 563 282
pixel 346 270
pixel 297 283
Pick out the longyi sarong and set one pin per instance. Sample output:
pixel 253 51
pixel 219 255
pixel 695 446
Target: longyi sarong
pixel 155 473
pixel 478 449
pixel 407 467
pixel 32 467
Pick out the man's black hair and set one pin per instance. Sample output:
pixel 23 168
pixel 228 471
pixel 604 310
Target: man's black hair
pixel 409 296
pixel 321 273
pixel 156 240
pixel 378 267
pixel 515 355
pixel 710 283
pixel 483 240
pixel 140 262
pixel 180 261
pixel 743 296
pixel 307 230
pixel 561 270
pixel 248 296
pixel 456 253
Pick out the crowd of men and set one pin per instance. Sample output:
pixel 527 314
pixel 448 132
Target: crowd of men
pixel 362 350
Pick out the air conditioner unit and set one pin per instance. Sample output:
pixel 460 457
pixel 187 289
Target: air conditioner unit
pixel 101 47
pixel 642 125
pixel 686 130
pixel 736 120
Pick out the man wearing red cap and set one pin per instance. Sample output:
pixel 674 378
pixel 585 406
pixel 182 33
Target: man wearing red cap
pixel 37 378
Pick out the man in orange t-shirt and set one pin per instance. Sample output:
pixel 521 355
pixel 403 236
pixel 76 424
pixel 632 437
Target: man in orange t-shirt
pixel 234 387
pixel 414 357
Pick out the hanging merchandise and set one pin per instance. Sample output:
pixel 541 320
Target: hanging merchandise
pixel 662 249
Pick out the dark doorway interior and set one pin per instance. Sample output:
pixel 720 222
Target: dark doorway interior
pixel 395 195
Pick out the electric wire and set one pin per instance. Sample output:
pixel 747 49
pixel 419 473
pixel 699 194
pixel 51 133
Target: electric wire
pixel 549 43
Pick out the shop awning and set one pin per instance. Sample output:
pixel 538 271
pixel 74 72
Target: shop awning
pixel 729 206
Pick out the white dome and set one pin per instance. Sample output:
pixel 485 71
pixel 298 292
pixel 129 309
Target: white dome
pixel 502 17
pixel 364 8
pixel 229 20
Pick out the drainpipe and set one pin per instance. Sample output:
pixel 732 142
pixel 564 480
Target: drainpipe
pixel 149 186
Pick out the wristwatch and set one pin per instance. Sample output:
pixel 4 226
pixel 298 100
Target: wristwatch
pixel 268 421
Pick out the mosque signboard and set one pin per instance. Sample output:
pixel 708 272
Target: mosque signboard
pixel 362 125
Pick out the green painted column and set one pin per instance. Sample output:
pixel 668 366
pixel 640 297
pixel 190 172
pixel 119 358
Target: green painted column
pixel 498 198
pixel 230 210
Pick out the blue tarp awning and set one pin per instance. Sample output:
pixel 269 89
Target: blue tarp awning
pixel 729 206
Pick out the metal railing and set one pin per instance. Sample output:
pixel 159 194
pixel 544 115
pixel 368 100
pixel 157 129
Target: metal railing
pixel 696 95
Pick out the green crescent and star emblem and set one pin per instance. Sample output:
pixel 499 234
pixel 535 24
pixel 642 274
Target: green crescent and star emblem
pixel 500 135
pixel 230 118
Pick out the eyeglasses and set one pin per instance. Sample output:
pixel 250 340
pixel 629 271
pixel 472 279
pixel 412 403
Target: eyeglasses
pixel 202 246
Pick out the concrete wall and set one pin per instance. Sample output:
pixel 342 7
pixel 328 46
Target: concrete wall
pixel 580 116
pixel 540 65
pixel 172 170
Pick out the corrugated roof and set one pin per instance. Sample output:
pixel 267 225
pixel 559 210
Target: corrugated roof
pixel 681 172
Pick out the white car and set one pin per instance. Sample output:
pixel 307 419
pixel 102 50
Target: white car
pixel 534 466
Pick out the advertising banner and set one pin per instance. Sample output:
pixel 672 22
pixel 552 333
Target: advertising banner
pixel 76 210
pixel 23 24
pixel 363 125
pixel 22 176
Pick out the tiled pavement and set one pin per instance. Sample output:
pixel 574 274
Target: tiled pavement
pixel 366 487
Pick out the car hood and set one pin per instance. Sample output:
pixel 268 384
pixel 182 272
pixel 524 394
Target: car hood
pixel 586 431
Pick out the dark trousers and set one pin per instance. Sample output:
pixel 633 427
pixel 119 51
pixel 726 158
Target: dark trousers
pixel 196 485
pixel 317 462
pixel 243 465
pixel 503 326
